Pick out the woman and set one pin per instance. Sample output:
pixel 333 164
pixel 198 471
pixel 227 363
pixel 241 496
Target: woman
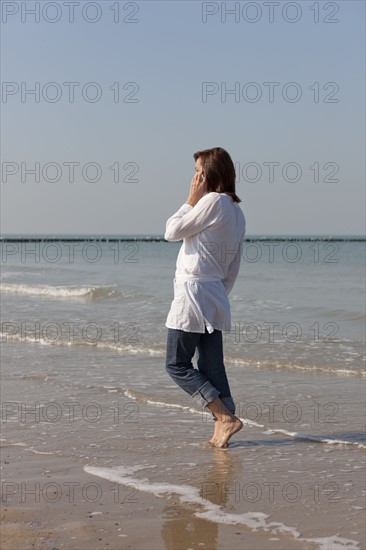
pixel 212 227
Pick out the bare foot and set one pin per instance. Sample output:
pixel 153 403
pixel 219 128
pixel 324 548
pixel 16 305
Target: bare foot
pixel 215 434
pixel 225 430
pixel 214 441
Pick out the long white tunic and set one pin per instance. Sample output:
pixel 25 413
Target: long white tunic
pixel 207 264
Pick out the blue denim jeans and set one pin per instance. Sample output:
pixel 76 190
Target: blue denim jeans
pixel 209 380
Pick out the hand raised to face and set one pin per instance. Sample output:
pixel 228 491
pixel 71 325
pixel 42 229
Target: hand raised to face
pixel 197 188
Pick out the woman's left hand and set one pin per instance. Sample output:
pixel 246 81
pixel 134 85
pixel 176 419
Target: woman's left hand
pixel 197 189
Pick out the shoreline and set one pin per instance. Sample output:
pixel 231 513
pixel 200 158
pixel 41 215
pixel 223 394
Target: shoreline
pixel 61 502
pixel 49 501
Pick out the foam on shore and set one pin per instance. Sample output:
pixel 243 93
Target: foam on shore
pixel 213 512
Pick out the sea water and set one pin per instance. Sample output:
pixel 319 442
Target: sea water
pixel 83 348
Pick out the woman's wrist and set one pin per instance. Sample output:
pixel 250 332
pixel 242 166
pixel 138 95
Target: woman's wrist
pixel 192 201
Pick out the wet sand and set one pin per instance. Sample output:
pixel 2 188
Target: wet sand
pixel 139 476
pixel 50 502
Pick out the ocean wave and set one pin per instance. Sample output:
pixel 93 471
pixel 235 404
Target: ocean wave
pixel 345 314
pixel 292 366
pixel 90 292
pixel 139 396
pixel 131 343
pixel 109 345
pixel 318 438
pixel 205 509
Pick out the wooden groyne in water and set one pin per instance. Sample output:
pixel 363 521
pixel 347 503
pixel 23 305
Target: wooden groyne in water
pixel 141 238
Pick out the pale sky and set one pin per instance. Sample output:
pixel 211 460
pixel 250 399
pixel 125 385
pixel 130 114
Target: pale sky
pixel 140 86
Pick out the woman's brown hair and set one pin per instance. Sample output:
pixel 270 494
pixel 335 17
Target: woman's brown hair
pixel 219 171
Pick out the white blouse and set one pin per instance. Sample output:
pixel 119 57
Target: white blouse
pixel 207 264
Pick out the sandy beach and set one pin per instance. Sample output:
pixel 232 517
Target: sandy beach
pixel 51 503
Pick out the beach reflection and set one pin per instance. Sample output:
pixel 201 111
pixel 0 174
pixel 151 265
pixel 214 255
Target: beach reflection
pixel 182 529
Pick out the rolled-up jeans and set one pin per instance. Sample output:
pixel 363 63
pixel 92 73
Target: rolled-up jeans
pixel 209 380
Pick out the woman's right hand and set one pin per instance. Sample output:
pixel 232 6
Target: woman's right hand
pixel 197 189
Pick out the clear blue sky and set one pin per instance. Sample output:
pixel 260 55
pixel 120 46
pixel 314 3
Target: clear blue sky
pixel 169 52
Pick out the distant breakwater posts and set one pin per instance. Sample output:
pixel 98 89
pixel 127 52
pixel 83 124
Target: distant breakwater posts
pixel 147 238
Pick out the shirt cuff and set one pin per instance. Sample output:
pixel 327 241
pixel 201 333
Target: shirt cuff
pixel 184 209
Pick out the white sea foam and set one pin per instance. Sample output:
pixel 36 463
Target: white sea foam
pixel 39 452
pixel 10 444
pixel 296 435
pixel 257 521
pixel 292 366
pixel 47 290
pixel 53 291
pixel 319 439
pixel 59 341
pixel 189 494
pixel 335 543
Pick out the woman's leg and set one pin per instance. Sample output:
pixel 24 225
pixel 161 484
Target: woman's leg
pixel 211 363
pixel 181 347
